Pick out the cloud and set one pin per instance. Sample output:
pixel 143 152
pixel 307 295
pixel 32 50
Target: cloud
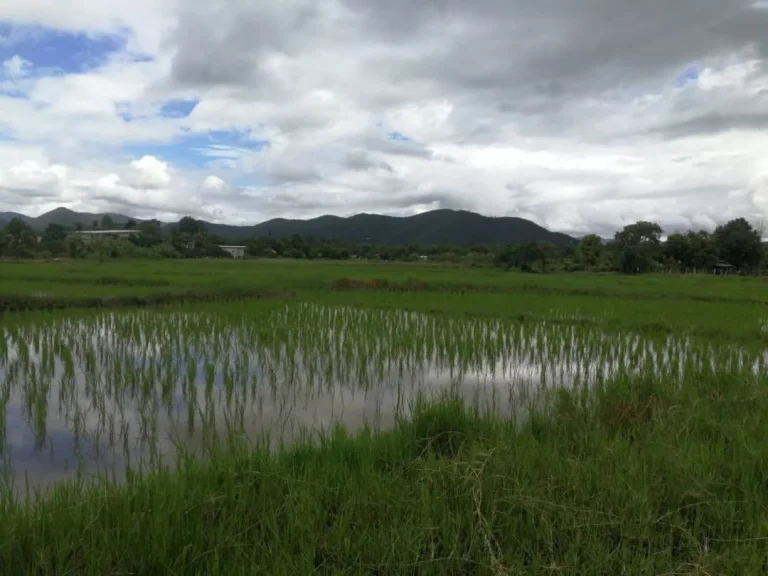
pixel 583 115
pixel 717 122
pixel 15 66
pixel 149 173
pixel 361 160
pixel 31 179
pixel 214 184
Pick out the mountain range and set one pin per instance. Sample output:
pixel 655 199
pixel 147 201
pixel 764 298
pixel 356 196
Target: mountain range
pixel 435 227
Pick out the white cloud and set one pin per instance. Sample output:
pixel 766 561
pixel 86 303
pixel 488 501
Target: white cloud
pixel 214 183
pixel 148 20
pixel 150 173
pixel 569 115
pixel 15 66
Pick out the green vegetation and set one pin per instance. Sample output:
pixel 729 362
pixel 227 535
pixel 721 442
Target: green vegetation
pixel 729 309
pixel 435 227
pixel 646 479
pixel 381 418
pixel 442 236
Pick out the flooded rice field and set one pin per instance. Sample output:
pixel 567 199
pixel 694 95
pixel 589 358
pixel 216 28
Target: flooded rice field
pixel 84 394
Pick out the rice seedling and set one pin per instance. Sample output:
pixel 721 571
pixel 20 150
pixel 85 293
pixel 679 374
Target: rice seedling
pixel 358 432
pixel 130 388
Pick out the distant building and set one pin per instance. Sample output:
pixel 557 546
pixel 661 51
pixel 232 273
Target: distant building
pixel 723 268
pixel 90 234
pixel 234 251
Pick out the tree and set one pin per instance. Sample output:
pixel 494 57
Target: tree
pixel 639 247
pixel 590 250
pixel 739 244
pixel 54 232
pixel 18 229
pixel 703 250
pixel 101 246
pixel 106 222
pixel 52 240
pixel 17 239
pixel 130 224
pixel 529 253
pixel 75 246
pixel 547 251
pixel 190 226
pixel 678 249
pixel 150 234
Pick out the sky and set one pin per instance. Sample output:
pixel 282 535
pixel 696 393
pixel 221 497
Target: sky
pixel 581 115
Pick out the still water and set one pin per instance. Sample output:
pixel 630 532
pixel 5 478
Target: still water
pixel 85 394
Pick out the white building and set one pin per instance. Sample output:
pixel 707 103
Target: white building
pixel 234 251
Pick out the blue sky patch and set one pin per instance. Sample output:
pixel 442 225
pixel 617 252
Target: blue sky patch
pixel 691 74
pixel 11 91
pixel 178 108
pixel 399 136
pixel 52 51
pixel 198 150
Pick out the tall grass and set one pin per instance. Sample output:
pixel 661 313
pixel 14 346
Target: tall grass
pixel 639 478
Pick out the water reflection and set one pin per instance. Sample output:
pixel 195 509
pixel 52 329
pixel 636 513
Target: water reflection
pixel 95 393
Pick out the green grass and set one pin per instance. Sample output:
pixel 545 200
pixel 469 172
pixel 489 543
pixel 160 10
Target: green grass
pixel 727 309
pixel 653 462
pixel 642 478
pixel 128 277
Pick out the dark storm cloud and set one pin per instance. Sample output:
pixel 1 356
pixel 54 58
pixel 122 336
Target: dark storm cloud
pixel 548 47
pixel 548 84
pixel 551 47
pixel 499 61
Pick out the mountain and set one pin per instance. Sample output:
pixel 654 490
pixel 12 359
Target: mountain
pixel 62 216
pixel 6 217
pixel 436 227
pixel 67 217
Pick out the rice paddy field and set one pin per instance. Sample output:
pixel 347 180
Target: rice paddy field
pixel 277 417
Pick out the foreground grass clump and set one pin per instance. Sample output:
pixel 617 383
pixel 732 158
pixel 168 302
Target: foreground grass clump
pixel 638 478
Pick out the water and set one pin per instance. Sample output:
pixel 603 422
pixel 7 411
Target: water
pixel 83 394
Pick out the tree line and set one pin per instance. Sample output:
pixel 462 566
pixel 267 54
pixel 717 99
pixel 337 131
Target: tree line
pixel 636 249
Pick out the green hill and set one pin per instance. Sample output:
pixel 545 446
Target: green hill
pixel 6 217
pixel 67 217
pixel 436 227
